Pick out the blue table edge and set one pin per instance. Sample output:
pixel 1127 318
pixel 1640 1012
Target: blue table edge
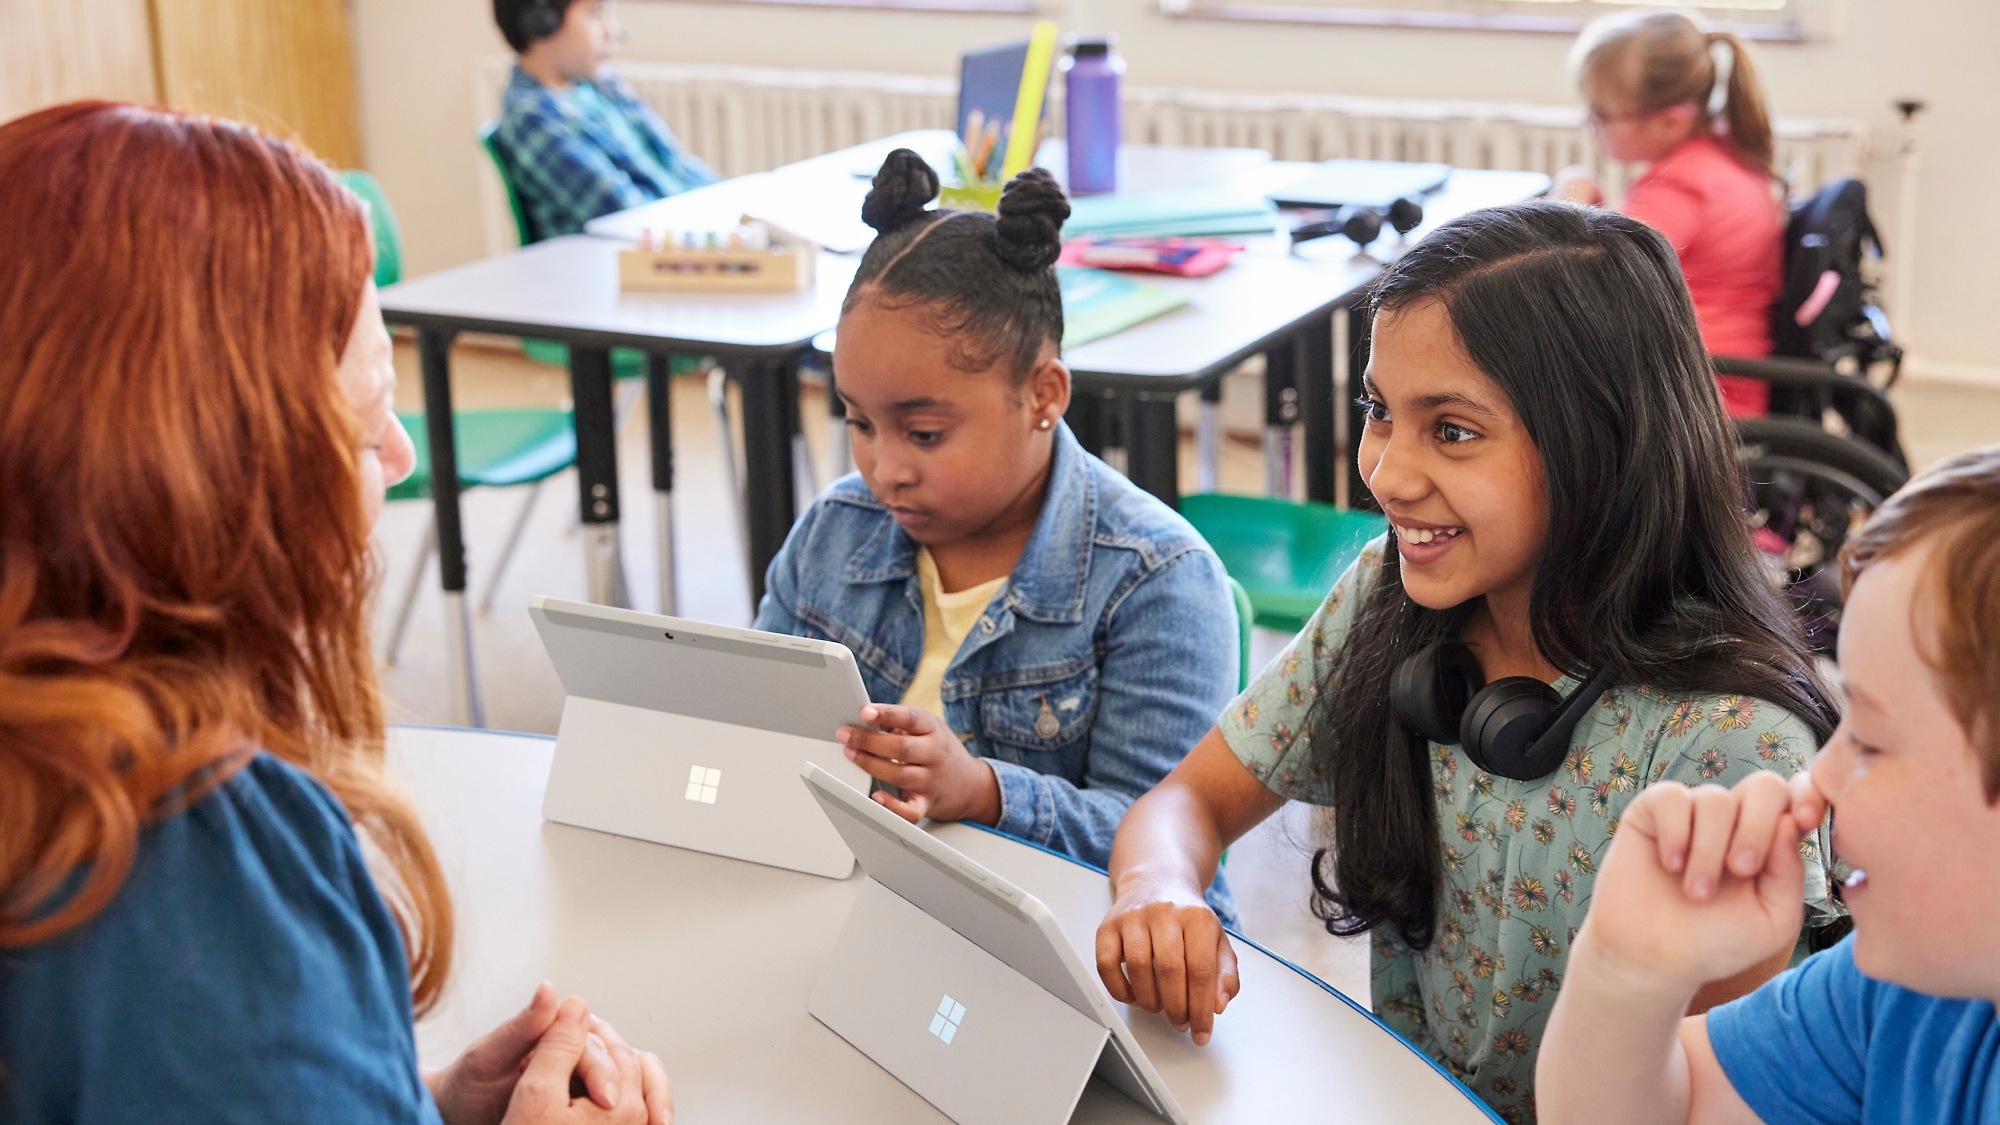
pixel 1251 942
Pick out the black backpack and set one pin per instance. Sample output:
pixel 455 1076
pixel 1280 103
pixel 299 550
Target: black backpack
pixel 1824 244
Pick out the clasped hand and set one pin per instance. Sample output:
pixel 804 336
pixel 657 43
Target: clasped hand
pixel 914 751
pixel 1701 884
pixel 553 1064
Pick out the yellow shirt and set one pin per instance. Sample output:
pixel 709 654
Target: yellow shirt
pixel 948 618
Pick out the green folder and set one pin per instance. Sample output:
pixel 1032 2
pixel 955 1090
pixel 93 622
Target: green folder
pixel 1183 211
pixel 1097 303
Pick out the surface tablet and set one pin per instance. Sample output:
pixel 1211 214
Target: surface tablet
pixel 993 914
pixel 690 734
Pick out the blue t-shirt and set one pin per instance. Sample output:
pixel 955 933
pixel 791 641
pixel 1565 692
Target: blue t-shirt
pixel 1825 1045
pixel 246 971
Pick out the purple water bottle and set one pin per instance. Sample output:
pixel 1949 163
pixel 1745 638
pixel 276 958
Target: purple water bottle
pixel 1095 120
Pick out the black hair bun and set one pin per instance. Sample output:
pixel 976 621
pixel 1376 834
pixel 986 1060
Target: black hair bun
pixel 903 187
pixel 1032 212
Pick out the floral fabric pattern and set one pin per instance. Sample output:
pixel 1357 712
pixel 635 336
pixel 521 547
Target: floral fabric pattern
pixel 1519 857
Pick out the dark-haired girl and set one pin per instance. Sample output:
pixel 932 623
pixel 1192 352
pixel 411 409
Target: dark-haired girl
pixel 1565 504
pixel 1043 640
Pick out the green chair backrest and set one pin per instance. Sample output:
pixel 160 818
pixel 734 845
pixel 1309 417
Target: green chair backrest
pixel 1286 554
pixel 1245 617
pixel 492 147
pixel 382 220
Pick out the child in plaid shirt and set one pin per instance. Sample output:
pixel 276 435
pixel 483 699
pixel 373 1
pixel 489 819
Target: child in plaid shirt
pixel 575 140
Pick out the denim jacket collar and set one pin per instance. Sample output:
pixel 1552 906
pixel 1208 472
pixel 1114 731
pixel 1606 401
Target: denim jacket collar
pixel 1048 582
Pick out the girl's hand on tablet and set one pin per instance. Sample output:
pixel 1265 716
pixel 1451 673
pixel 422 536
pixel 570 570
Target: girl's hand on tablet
pixel 915 752
pixel 1166 952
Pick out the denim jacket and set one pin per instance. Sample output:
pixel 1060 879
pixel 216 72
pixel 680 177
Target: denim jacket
pixel 1104 658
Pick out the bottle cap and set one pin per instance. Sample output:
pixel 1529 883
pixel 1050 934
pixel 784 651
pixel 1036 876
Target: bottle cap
pixel 1091 43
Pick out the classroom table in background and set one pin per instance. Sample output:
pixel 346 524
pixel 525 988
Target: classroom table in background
pixel 708 962
pixel 566 289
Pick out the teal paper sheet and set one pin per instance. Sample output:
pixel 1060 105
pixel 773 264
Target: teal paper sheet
pixel 1097 303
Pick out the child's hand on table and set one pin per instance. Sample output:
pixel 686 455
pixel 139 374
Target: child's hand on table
pixel 1162 948
pixel 1701 884
pixel 914 751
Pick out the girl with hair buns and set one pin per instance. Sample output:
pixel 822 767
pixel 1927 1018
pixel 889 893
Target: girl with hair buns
pixel 1043 640
pixel 1666 93
pixel 195 434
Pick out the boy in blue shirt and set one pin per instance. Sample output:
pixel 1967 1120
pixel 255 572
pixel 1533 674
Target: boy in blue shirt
pixel 1897 1023
pixel 575 139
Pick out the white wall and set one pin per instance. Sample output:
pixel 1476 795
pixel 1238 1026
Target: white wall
pixel 416 60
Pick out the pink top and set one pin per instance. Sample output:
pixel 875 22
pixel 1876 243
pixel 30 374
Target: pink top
pixel 1728 229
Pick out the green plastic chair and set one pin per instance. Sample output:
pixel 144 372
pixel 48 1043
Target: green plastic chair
pixel 496 448
pixel 381 221
pixel 1287 555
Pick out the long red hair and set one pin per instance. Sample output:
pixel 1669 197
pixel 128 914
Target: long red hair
pixel 185 570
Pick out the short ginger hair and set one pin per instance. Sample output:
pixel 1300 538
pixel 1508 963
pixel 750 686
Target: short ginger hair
pixel 1954 509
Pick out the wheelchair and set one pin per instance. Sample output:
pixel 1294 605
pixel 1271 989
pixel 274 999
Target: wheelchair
pixel 1828 453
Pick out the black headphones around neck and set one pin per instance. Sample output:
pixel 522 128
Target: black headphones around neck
pixel 1516 727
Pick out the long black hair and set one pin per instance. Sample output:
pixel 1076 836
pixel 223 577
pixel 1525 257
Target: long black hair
pixel 1581 316
pixel 986 282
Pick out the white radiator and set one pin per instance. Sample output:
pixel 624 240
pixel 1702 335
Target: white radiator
pixel 750 119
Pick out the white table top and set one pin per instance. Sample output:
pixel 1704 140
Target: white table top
pixel 567 289
pixel 707 962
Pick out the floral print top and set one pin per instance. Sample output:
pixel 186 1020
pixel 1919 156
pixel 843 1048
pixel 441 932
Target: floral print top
pixel 1519 856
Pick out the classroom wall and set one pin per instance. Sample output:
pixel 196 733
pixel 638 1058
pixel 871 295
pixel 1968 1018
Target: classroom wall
pixel 416 60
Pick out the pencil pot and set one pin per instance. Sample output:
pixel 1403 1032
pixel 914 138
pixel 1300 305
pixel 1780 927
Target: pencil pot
pixel 971 197
pixel 1095 122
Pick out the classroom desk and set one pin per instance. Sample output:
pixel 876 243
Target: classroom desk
pixel 567 289
pixel 708 961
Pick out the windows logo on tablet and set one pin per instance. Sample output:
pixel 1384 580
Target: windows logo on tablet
pixel 702 784
pixel 944 1024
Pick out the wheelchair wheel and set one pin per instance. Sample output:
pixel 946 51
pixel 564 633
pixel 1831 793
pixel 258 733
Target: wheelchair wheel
pixel 1807 490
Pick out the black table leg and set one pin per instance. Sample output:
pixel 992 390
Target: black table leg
pixel 597 473
pixel 770 387
pixel 1152 447
pixel 1358 496
pixel 461 677
pixel 1086 418
pixel 1281 412
pixel 660 424
pixel 1316 408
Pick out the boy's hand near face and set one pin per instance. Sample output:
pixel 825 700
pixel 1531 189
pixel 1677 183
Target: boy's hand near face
pixel 914 751
pixel 1701 884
